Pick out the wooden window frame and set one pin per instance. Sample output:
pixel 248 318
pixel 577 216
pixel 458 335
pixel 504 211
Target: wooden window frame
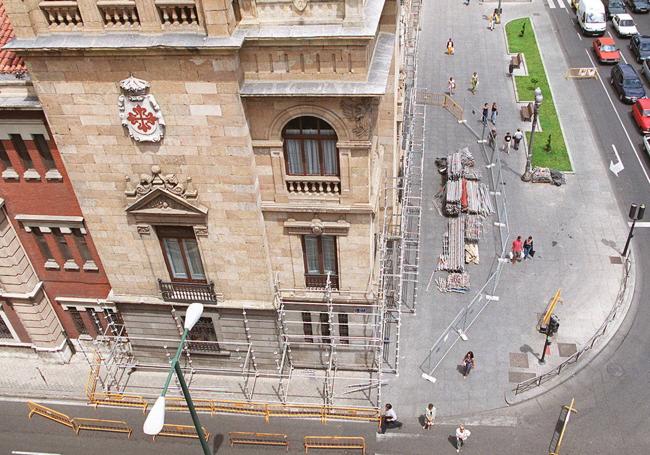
pixel 321 256
pixel 307 328
pixel 325 328
pixel 179 233
pixel 78 323
pixel 62 244
pixel 319 138
pixel 344 328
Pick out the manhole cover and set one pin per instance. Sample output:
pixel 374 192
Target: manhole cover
pixel 519 360
pixel 615 260
pixel 517 376
pixel 615 370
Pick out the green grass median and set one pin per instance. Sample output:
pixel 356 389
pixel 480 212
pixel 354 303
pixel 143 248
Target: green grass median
pixel 555 156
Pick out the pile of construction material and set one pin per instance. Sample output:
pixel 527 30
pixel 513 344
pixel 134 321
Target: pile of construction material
pixel 546 175
pixel 467 202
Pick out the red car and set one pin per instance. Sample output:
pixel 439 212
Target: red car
pixel 606 50
pixel 641 114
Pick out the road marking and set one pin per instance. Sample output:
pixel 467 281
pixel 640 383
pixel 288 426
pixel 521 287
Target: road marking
pixel 639 224
pixel 551 4
pixel 560 4
pixel 579 36
pixel 618 166
pixel 620 121
pixel 33 453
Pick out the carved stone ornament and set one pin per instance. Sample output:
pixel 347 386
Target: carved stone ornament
pixel 316 227
pixel 300 5
pixel 360 112
pixel 139 112
pixel 143 229
pixel 201 231
pixel 168 182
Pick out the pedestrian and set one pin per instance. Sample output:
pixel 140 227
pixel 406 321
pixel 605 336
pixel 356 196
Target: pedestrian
pixel 388 418
pixel 518 136
pixel 492 138
pixel 461 436
pixel 517 249
pixel 494 113
pixel 529 252
pixel 491 22
pixel 468 363
pixel 474 82
pixel 467 2
pixel 451 86
pixel 506 142
pixel 486 112
pixel 450 47
pixel 429 416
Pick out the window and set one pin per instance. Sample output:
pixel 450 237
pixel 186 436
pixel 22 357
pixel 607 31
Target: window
pixel 21 149
pixel 5 333
pixel 5 162
pixel 236 10
pixel 203 330
pixel 42 244
pixel 344 330
pixel 44 151
pixel 325 327
pixel 78 321
pixel 320 259
pixel 306 327
pixel 82 245
pixel 96 322
pixel 64 249
pixel 181 253
pixel 310 147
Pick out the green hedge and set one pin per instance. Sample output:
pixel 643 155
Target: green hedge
pixel 557 157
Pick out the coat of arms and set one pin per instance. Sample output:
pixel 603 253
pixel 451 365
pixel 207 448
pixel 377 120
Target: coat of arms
pixel 300 5
pixel 139 112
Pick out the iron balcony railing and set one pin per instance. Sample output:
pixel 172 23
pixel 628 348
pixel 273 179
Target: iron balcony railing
pixel 320 281
pixel 188 292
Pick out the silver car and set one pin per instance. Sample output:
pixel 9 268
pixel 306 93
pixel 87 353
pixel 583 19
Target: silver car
pixel 645 68
pixel 646 144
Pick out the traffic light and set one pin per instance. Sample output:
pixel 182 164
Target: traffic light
pixel 553 325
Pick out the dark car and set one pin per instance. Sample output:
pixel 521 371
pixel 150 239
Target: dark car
pixel 638 6
pixel 627 83
pixel 614 7
pixel 640 47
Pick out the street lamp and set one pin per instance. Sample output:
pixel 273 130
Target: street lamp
pixel 156 418
pixel 636 214
pixel 528 172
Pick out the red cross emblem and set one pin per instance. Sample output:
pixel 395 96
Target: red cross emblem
pixel 141 119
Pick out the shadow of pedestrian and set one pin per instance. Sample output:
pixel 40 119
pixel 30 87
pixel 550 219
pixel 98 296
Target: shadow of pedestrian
pixel 422 420
pixel 461 369
pixel 216 442
pixel 452 440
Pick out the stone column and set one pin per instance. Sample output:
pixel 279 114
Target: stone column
pixel 90 15
pixel 277 165
pixel 148 14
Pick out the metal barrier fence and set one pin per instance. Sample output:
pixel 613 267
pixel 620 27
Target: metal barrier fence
pixel 260 439
pixel 50 414
pixel 620 299
pixel 79 423
pixel 181 431
pixel 335 442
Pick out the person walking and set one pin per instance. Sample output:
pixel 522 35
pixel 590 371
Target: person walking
pixel 462 434
pixel 518 136
pixel 486 112
pixel 388 418
pixel 451 86
pixel 491 22
pixel 492 138
pixel 493 114
pixel 468 363
pixel 450 47
pixel 506 142
pixel 517 249
pixel 529 252
pixel 474 82
pixel 429 416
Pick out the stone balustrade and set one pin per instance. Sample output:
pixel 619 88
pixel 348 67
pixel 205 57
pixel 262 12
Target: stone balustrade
pixel 313 185
pixel 177 13
pixel 61 14
pixel 119 13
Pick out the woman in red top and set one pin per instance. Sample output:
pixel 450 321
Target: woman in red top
pixel 517 249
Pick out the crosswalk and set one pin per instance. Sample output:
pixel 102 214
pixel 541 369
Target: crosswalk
pixel 560 4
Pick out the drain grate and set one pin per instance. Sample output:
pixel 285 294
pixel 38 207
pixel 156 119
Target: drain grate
pixel 615 260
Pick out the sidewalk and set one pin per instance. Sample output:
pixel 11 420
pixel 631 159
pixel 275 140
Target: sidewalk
pixel 575 238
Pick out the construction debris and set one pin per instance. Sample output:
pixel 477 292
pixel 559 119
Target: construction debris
pixel 546 175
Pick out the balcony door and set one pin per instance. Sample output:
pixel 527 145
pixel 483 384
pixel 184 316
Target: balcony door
pixel 310 147
pixel 181 252
pixel 319 252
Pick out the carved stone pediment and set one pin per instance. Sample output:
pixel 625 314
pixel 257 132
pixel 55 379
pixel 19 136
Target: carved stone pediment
pixel 161 206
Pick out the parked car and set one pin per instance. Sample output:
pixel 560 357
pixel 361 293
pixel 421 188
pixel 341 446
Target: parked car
pixel 646 144
pixel 591 17
pixel 624 25
pixel 645 68
pixel 606 50
pixel 627 83
pixel 638 6
pixel 613 7
pixel 641 114
pixel 640 47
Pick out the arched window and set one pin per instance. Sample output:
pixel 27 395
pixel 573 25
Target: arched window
pixel 310 147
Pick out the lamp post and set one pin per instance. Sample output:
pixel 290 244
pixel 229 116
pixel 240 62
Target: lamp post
pixel 636 214
pixel 528 172
pixel 156 418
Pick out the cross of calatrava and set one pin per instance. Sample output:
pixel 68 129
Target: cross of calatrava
pixel 141 119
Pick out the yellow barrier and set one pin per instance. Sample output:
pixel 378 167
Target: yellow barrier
pixel 179 404
pixel 181 431
pixel 370 415
pixel 335 442
pixel 581 73
pixel 119 399
pixel 569 409
pixel 296 410
pixel 267 439
pixel 240 407
pixel 51 414
pixel 113 426
pixel 93 375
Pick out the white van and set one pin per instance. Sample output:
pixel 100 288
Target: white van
pixel 591 17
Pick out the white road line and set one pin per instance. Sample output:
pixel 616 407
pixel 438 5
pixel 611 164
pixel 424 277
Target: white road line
pixel 639 224
pixel 551 4
pixel 33 453
pixel 561 4
pixel 620 121
pixel 579 35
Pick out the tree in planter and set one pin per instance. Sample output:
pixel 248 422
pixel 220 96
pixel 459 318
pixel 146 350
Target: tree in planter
pixel 548 146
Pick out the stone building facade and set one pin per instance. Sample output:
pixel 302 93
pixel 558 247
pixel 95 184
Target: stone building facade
pixel 274 126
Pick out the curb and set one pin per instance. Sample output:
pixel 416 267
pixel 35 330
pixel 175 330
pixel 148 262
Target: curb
pixel 511 399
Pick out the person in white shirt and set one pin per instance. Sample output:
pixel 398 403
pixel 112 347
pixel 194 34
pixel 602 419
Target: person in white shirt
pixel 461 436
pixel 389 419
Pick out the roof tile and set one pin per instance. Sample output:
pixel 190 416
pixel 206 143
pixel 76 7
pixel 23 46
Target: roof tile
pixel 10 63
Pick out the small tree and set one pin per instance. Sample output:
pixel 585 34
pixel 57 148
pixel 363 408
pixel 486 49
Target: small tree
pixel 547 147
pixel 523 30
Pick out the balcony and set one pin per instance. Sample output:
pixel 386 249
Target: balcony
pixel 119 13
pixel 313 186
pixel 61 14
pixel 320 281
pixel 188 292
